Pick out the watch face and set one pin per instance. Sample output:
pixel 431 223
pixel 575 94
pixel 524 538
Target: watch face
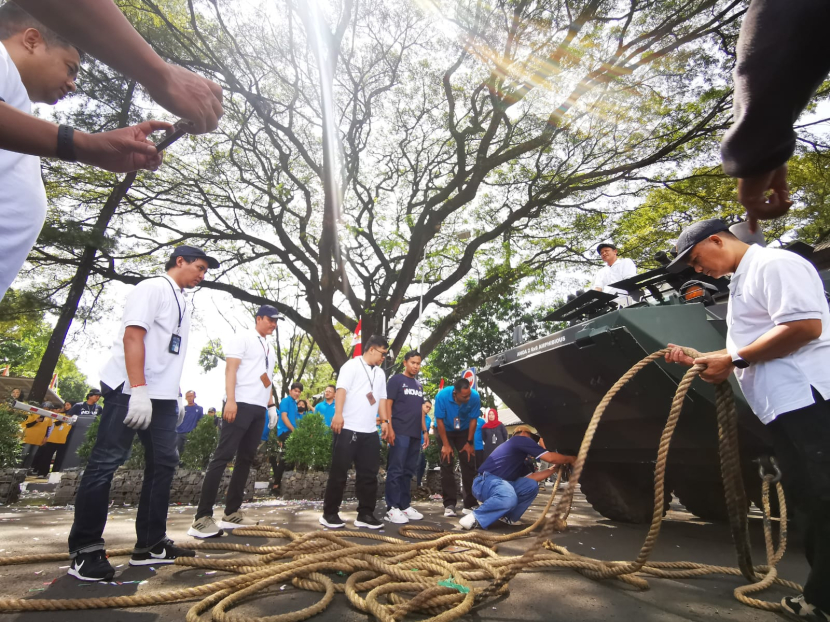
pixel 740 363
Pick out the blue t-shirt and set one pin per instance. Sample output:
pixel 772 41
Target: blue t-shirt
pixel 407 397
pixel 479 444
pixel 508 459
pixel 428 423
pixel 266 432
pixel 287 405
pixel 192 414
pixel 327 410
pixel 448 410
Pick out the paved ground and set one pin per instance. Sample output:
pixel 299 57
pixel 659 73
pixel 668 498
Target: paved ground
pixel 548 595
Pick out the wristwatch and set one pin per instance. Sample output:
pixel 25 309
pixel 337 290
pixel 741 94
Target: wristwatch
pixel 740 363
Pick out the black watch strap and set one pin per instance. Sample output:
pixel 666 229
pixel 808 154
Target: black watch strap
pixel 66 143
pixel 740 363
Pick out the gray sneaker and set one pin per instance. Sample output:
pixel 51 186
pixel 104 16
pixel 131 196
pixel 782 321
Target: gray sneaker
pixel 234 521
pixel 204 527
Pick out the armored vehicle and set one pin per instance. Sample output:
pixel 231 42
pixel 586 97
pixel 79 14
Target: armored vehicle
pixel 555 383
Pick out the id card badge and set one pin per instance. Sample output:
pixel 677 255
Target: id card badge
pixel 371 398
pixel 175 344
pixel 456 423
pixel 266 381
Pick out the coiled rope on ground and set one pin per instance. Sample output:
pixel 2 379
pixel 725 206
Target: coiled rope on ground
pixel 397 577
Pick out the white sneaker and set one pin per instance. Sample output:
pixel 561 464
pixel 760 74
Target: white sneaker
pixel 234 521
pixel 469 521
pixel 394 515
pixel 449 511
pixel 466 511
pixel 412 514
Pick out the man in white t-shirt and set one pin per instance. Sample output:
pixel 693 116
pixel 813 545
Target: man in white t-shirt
pixel 361 385
pixel 36 65
pixel 616 269
pixel 140 387
pixel 778 346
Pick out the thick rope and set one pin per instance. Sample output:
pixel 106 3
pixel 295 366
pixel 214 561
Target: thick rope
pixel 435 574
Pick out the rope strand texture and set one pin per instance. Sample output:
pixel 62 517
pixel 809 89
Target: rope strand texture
pixel 383 576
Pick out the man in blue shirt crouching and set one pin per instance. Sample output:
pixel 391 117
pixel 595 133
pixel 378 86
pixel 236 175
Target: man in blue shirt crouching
pixel 505 486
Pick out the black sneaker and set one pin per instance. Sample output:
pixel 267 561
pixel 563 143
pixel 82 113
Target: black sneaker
pixel 165 552
pixel 368 520
pixel 92 566
pixel 332 521
pixel 797 606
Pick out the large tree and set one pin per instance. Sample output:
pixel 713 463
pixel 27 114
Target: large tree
pixel 360 138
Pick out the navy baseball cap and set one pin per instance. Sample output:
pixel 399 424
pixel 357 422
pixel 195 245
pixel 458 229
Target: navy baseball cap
pixel 691 236
pixel 269 311
pixel 93 392
pixel 605 245
pixel 191 252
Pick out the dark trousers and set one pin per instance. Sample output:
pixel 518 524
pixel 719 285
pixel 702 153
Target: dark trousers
pixel 457 440
pixel 238 438
pixel 43 458
pixel 280 465
pixel 181 440
pixel 479 458
pixel 801 439
pixel 363 450
pixel 112 447
pixel 403 460
pixel 422 467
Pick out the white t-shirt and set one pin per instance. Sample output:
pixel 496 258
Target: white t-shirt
pixel 152 305
pixel 257 358
pixel 621 269
pixel 771 287
pixel 22 195
pixel 359 378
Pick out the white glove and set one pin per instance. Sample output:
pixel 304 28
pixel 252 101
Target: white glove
pixel 181 412
pixel 140 410
pixel 272 417
pixel 73 419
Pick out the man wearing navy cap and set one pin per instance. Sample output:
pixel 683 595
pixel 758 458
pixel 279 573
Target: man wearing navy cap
pixel 140 387
pixel 249 367
pixel 778 346
pixel 615 270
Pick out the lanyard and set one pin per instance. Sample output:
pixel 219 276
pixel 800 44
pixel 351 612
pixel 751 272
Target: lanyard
pixel 265 348
pixel 178 306
pixel 366 371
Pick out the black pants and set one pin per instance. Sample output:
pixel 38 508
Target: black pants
pixel 362 449
pixel 280 465
pixel 43 458
pixel 239 438
pixel 801 439
pixel 457 440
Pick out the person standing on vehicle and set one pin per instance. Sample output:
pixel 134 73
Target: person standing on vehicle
pixel 361 385
pixel 493 433
pixel 404 415
pixel 249 403
pixel 192 414
pixel 140 387
pixel 615 270
pixel 778 347
pixel 456 416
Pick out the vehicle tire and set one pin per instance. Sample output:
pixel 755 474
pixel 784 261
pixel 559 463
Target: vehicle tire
pixel 620 492
pixel 703 497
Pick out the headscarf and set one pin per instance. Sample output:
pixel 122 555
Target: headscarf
pixel 495 422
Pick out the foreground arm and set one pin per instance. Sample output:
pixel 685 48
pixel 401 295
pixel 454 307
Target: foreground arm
pixel 231 367
pixel 339 402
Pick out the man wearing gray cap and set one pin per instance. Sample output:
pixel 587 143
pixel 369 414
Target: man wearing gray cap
pixel 778 346
pixel 140 387
pixel 248 371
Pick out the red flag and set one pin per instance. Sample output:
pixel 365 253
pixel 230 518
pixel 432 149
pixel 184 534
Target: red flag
pixel 441 385
pixel 54 383
pixel 6 370
pixel 358 346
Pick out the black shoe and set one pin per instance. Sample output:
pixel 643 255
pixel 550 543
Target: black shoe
pixel 165 552
pixel 368 520
pixel 92 566
pixel 332 521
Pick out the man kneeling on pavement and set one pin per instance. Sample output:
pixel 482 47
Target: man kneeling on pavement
pixel 505 486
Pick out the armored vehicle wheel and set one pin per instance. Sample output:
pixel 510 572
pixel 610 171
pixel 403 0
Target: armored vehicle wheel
pixel 621 492
pixel 703 497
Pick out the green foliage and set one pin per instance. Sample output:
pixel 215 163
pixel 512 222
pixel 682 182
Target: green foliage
pixel 201 442
pixel 10 437
pixel 309 445
pixel 211 354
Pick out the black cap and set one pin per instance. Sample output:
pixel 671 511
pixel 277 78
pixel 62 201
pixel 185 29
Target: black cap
pixel 605 245
pixel 269 311
pixel 211 409
pixel 191 252
pixel 692 235
pixel 93 392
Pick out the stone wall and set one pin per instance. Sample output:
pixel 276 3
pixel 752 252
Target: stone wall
pixel 312 485
pixel 126 487
pixel 10 480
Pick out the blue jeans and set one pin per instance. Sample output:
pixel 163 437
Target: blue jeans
pixel 403 461
pixel 500 498
pixel 112 448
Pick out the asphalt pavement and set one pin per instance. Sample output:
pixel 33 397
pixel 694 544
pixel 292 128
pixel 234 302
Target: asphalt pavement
pixel 557 594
